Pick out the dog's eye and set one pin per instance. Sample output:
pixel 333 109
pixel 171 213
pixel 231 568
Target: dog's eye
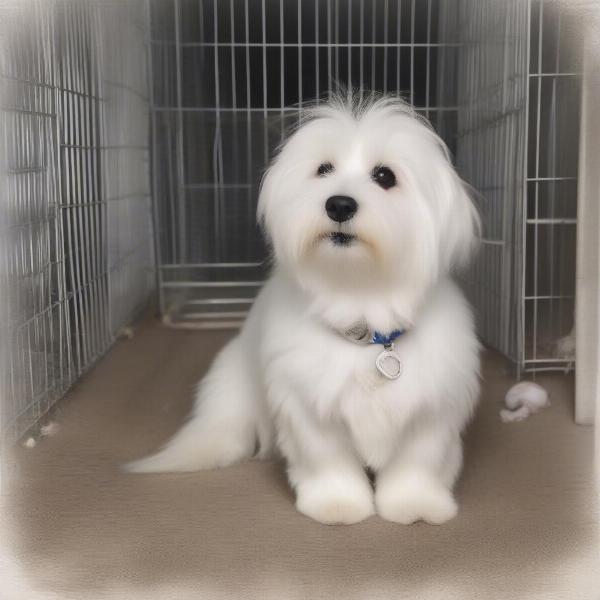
pixel 325 169
pixel 383 177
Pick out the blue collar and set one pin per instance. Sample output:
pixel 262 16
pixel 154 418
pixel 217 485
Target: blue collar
pixel 386 340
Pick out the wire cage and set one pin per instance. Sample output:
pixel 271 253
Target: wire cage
pixel 76 229
pixel 105 104
pixel 517 144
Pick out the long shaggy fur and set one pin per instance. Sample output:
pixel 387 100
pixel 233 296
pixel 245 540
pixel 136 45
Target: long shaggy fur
pixel 291 383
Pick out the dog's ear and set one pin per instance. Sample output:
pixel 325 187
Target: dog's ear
pixel 462 225
pixel 264 199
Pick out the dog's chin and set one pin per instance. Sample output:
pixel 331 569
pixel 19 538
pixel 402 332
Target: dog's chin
pixel 342 259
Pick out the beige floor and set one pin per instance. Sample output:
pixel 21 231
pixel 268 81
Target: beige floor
pixel 84 530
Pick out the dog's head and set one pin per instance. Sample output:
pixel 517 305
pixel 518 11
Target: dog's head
pixel 363 196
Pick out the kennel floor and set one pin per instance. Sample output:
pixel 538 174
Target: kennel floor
pixel 84 530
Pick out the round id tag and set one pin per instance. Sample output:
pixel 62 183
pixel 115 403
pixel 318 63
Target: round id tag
pixel 388 364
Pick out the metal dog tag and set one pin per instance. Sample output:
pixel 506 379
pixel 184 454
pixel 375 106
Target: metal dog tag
pixel 359 334
pixel 388 364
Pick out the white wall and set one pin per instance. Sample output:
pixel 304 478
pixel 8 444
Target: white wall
pixel 588 239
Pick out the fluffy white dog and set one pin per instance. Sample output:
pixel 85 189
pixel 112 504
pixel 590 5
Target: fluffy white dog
pixel 359 351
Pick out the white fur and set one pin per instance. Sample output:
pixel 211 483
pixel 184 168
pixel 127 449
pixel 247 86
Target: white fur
pixel 523 399
pixel 290 382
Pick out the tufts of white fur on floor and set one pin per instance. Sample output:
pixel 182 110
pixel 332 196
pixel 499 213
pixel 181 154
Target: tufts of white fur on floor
pixel 522 400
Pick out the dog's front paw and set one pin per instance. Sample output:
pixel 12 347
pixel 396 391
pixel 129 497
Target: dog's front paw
pixel 410 499
pixel 335 504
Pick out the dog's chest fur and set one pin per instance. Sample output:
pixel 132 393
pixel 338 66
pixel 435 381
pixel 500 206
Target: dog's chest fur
pixel 306 365
pixel 340 384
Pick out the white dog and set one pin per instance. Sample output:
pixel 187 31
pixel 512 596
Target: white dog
pixel 359 351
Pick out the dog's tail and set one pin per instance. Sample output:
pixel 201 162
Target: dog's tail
pixel 224 426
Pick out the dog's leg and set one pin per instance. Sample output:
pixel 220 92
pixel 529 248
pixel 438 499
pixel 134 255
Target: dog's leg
pixel 224 423
pixel 417 483
pixel 328 478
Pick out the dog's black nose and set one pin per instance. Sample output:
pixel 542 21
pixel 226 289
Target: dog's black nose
pixel 341 208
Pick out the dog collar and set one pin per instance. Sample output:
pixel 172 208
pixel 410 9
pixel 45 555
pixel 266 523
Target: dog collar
pixel 387 362
pixel 386 340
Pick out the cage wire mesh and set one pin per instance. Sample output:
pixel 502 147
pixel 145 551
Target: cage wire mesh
pixel 498 80
pixel 76 230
